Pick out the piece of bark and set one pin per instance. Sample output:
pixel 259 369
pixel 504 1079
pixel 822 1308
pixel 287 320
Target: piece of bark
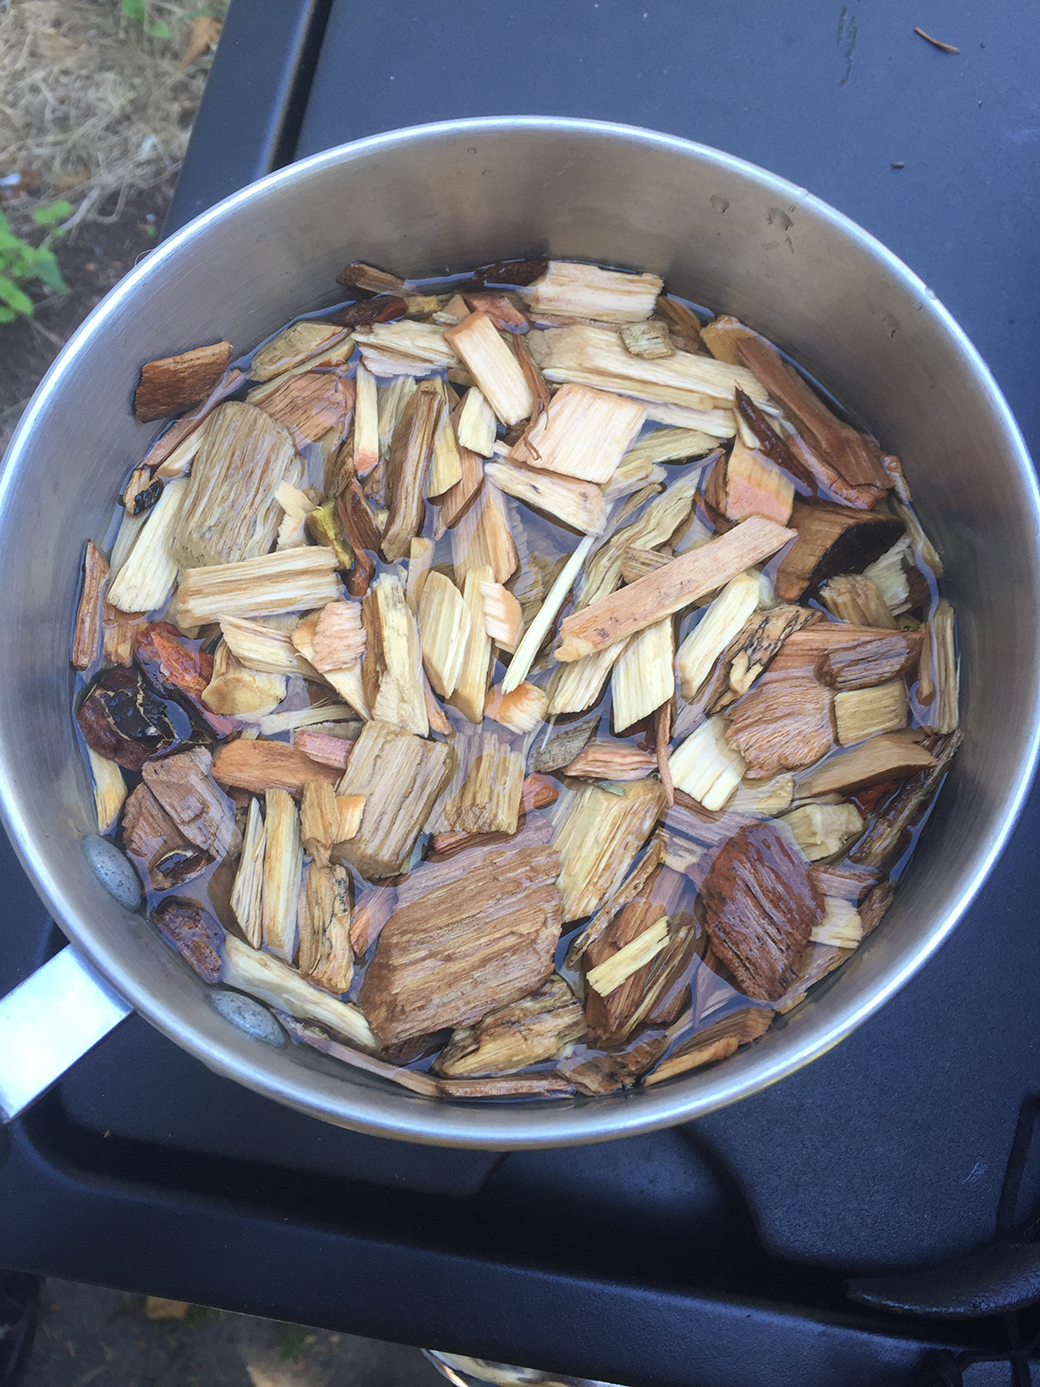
pixel 676 585
pixel 193 932
pixel 261 765
pixel 512 274
pixel 760 908
pixel 598 840
pixel 181 430
pixel 564 746
pixel 595 1075
pixel 401 777
pixel 494 368
pixel 150 834
pixel 372 280
pixel 715 1042
pixel 785 722
pixel 891 756
pixel 855 456
pixel 493 944
pixel 187 792
pixel 510 1038
pixel 520 1086
pixel 170 663
pixel 172 383
pixel 774 447
pixel 863 657
pixel 382 309
pixel 831 540
pixel 746 483
pixel 121 719
pixel 86 636
pixel 583 434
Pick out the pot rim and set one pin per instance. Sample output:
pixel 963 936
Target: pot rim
pixel 542 1125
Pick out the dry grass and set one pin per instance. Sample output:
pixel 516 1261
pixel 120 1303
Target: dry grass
pixel 89 105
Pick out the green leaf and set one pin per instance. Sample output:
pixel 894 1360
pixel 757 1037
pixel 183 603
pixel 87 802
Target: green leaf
pixel 156 29
pixel 54 212
pixel 7 315
pixel 15 297
pixel 133 9
pixel 48 273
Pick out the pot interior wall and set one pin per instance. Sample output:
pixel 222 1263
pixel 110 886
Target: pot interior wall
pixel 439 201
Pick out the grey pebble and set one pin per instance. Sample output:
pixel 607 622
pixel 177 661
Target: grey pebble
pixel 116 873
pixel 247 1015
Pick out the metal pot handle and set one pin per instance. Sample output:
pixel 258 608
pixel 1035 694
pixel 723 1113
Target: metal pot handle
pixel 47 1023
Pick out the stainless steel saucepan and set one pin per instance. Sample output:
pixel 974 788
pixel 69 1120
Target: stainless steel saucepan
pixel 428 201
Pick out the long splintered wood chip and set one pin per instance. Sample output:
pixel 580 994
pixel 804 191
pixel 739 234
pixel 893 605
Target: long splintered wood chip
pixel 943 646
pixel 444 620
pixel 753 650
pixel 261 646
pixel 722 621
pixel 503 615
pixel 283 865
pixel 446 467
pixel 259 765
pixel 485 794
pixel 861 713
pixel 821 830
pixel 643 676
pixel 475 425
pixel 237 691
pixel 146 577
pixel 87 634
pixel 831 540
pixel 230 511
pixel 493 943
pixel 408 461
pixel 596 356
pixel 291 347
pixel 527 1032
pixel 706 767
pixel 891 756
pixel 670 588
pixel 855 456
pixel 670 445
pixel 746 483
pixel 420 561
pixel 327 819
pixel 850 657
pixel 520 711
pixel 471 686
pixel 658 522
pixel 574 503
pixel 184 787
pixel 634 885
pixel 109 789
pixel 410 1079
pixel 607 977
pixel 890 573
pixel 290 581
pixel 785 722
pixel 598 840
pixel 326 958
pixel 583 433
pixel 493 366
pixel 262 975
pixel 527 650
pixel 247 892
pixel 366 422
pixel 570 289
pixel 852 597
pixel 546 1085
pixel 482 537
pixel 358 275
pixel 885 837
pixel 172 383
pixel 455 502
pixel 392 669
pixel 714 1043
pixel 401 776
pixel 413 344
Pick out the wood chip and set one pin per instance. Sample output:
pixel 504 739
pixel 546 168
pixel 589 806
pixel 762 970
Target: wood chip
pixel 475 424
pixel 583 434
pixel 570 289
pixel 324 748
pixel 391 672
pixel 369 279
pixel 484 796
pixel 598 839
pixel 408 461
pixel 493 945
pixel 852 597
pixel 892 756
pixel 706 767
pixel 109 789
pixel 861 713
pixel 746 483
pixel 444 620
pixel 530 1031
pixel 785 722
pixel 144 580
pixel 407 1078
pixel 884 837
pixel 831 540
pixel 521 1086
pixel 263 976
pixel 293 346
pixel 643 678
pixel 86 636
pixel 401 776
pixel 943 648
pixel 247 892
pixel 235 691
pixel 723 620
pixel 493 367
pixel 753 650
pixel 821 830
pixel 482 536
pixel 714 1043
pixel 569 502
pixel 471 686
pixel 521 710
pixel 172 383
pixel 326 958
pixel 671 588
pixel 184 787
pixel 261 765
pixel 611 761
pixel 283 865
pixel 295 580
